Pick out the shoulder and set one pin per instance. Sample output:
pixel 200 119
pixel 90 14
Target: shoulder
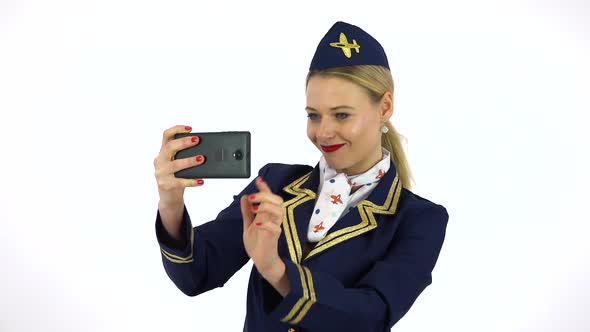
pixel 421 232
pixel 417 209
pixel 278 175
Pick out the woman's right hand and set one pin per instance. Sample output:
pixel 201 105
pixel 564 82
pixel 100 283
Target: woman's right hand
pixel 170 187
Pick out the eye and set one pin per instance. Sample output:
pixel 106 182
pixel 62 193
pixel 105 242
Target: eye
pixel 342 116
pixel 312 116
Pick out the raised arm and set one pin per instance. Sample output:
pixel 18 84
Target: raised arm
pixel 206 256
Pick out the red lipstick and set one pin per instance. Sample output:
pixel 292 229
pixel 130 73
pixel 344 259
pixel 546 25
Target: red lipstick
pixel 331 148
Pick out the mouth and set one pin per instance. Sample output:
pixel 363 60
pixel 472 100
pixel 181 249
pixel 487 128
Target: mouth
pixel 331 148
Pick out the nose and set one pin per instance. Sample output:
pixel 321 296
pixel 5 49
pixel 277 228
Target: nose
pixel 325 130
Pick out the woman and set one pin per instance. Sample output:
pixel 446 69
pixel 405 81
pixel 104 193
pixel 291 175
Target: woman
pixel 342 246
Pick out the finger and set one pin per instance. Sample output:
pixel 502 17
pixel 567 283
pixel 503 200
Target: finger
pixel 272 212
pixel 167 183
pixel 269 227
pixel 166 169
pixel 247 214
pixel 266 197
pixel 183 163
pixel 170 132
pixel 190 182
pixel 262 186
pixel 175 145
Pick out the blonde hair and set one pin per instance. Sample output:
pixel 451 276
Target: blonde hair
pixel 376 80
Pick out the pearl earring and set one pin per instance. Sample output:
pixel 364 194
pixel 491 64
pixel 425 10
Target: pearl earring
pixel 384 129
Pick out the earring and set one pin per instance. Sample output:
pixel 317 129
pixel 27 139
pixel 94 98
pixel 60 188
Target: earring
pixel 384 129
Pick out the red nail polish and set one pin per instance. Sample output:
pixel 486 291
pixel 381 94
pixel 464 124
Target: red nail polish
pixel 251 197
pixel 199 158
pixel 258 223
pixel 199 182
pixel 194 139
pixel 188 128
pixel 255 208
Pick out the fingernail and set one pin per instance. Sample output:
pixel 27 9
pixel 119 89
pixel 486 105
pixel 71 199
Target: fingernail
pixel 251 197
pixel 188 128
pixel 255 208
pixel 258 223
pixel 194 139
pixel 200 182
pixel 199 158
pixel 261 179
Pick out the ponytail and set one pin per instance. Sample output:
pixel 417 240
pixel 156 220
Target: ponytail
pixel 391 141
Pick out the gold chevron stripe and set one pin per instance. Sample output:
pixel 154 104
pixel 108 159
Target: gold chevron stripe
pixel 176 260
pixel 179 259
pixel 301 300
pixel 366 209
pixel 289 226
pixel 310 302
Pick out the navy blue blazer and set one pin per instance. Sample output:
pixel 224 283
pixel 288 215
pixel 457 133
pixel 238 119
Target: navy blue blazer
pixel 363 276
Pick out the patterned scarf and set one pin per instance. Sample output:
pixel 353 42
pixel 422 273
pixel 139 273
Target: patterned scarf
pixel 335 199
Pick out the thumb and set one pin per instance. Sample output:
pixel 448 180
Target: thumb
pixel 247 214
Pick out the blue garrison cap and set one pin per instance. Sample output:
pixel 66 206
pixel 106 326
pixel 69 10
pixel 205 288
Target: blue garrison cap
pixel 348 45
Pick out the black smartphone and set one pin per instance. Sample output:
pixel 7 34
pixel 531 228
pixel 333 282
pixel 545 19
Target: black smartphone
pixel 227 155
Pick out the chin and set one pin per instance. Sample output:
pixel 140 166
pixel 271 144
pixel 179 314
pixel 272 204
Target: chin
pixel 335 164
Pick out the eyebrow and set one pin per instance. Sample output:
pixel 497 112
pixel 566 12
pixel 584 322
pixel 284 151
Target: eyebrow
pixel 336 108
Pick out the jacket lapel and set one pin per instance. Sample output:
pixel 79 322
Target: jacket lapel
pixel 297 212
pixel 364 217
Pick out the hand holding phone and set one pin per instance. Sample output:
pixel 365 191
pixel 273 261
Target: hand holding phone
pixel 170 188
pixel 227 155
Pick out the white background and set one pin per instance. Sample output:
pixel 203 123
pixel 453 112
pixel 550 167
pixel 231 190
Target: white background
pixel 491 95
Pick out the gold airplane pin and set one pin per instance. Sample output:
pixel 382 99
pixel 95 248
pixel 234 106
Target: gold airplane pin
pixel 346 46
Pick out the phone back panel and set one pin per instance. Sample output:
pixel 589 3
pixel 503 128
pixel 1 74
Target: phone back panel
pixel 227 155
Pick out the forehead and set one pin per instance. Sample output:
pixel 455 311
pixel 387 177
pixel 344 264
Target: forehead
pixel 333 90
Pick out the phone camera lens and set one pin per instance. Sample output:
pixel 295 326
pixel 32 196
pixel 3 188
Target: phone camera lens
pixel 238 155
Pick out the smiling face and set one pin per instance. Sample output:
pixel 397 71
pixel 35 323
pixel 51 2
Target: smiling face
pixel 345 124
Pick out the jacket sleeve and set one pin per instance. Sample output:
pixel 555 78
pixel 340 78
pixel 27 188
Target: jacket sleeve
pixel 209 254
pixel 317 300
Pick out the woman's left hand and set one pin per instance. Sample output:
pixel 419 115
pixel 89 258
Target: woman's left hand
pixel 262 226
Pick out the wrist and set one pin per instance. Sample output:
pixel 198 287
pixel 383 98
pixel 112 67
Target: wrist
pixel 170 206
pixel 275 272
pixel 171 217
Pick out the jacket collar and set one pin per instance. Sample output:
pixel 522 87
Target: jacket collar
pixel 364 217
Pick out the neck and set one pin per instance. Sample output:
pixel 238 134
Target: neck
pixel 363 165
pixel 353 189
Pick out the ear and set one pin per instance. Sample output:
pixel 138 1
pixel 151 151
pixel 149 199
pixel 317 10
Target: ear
pixel 386 106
